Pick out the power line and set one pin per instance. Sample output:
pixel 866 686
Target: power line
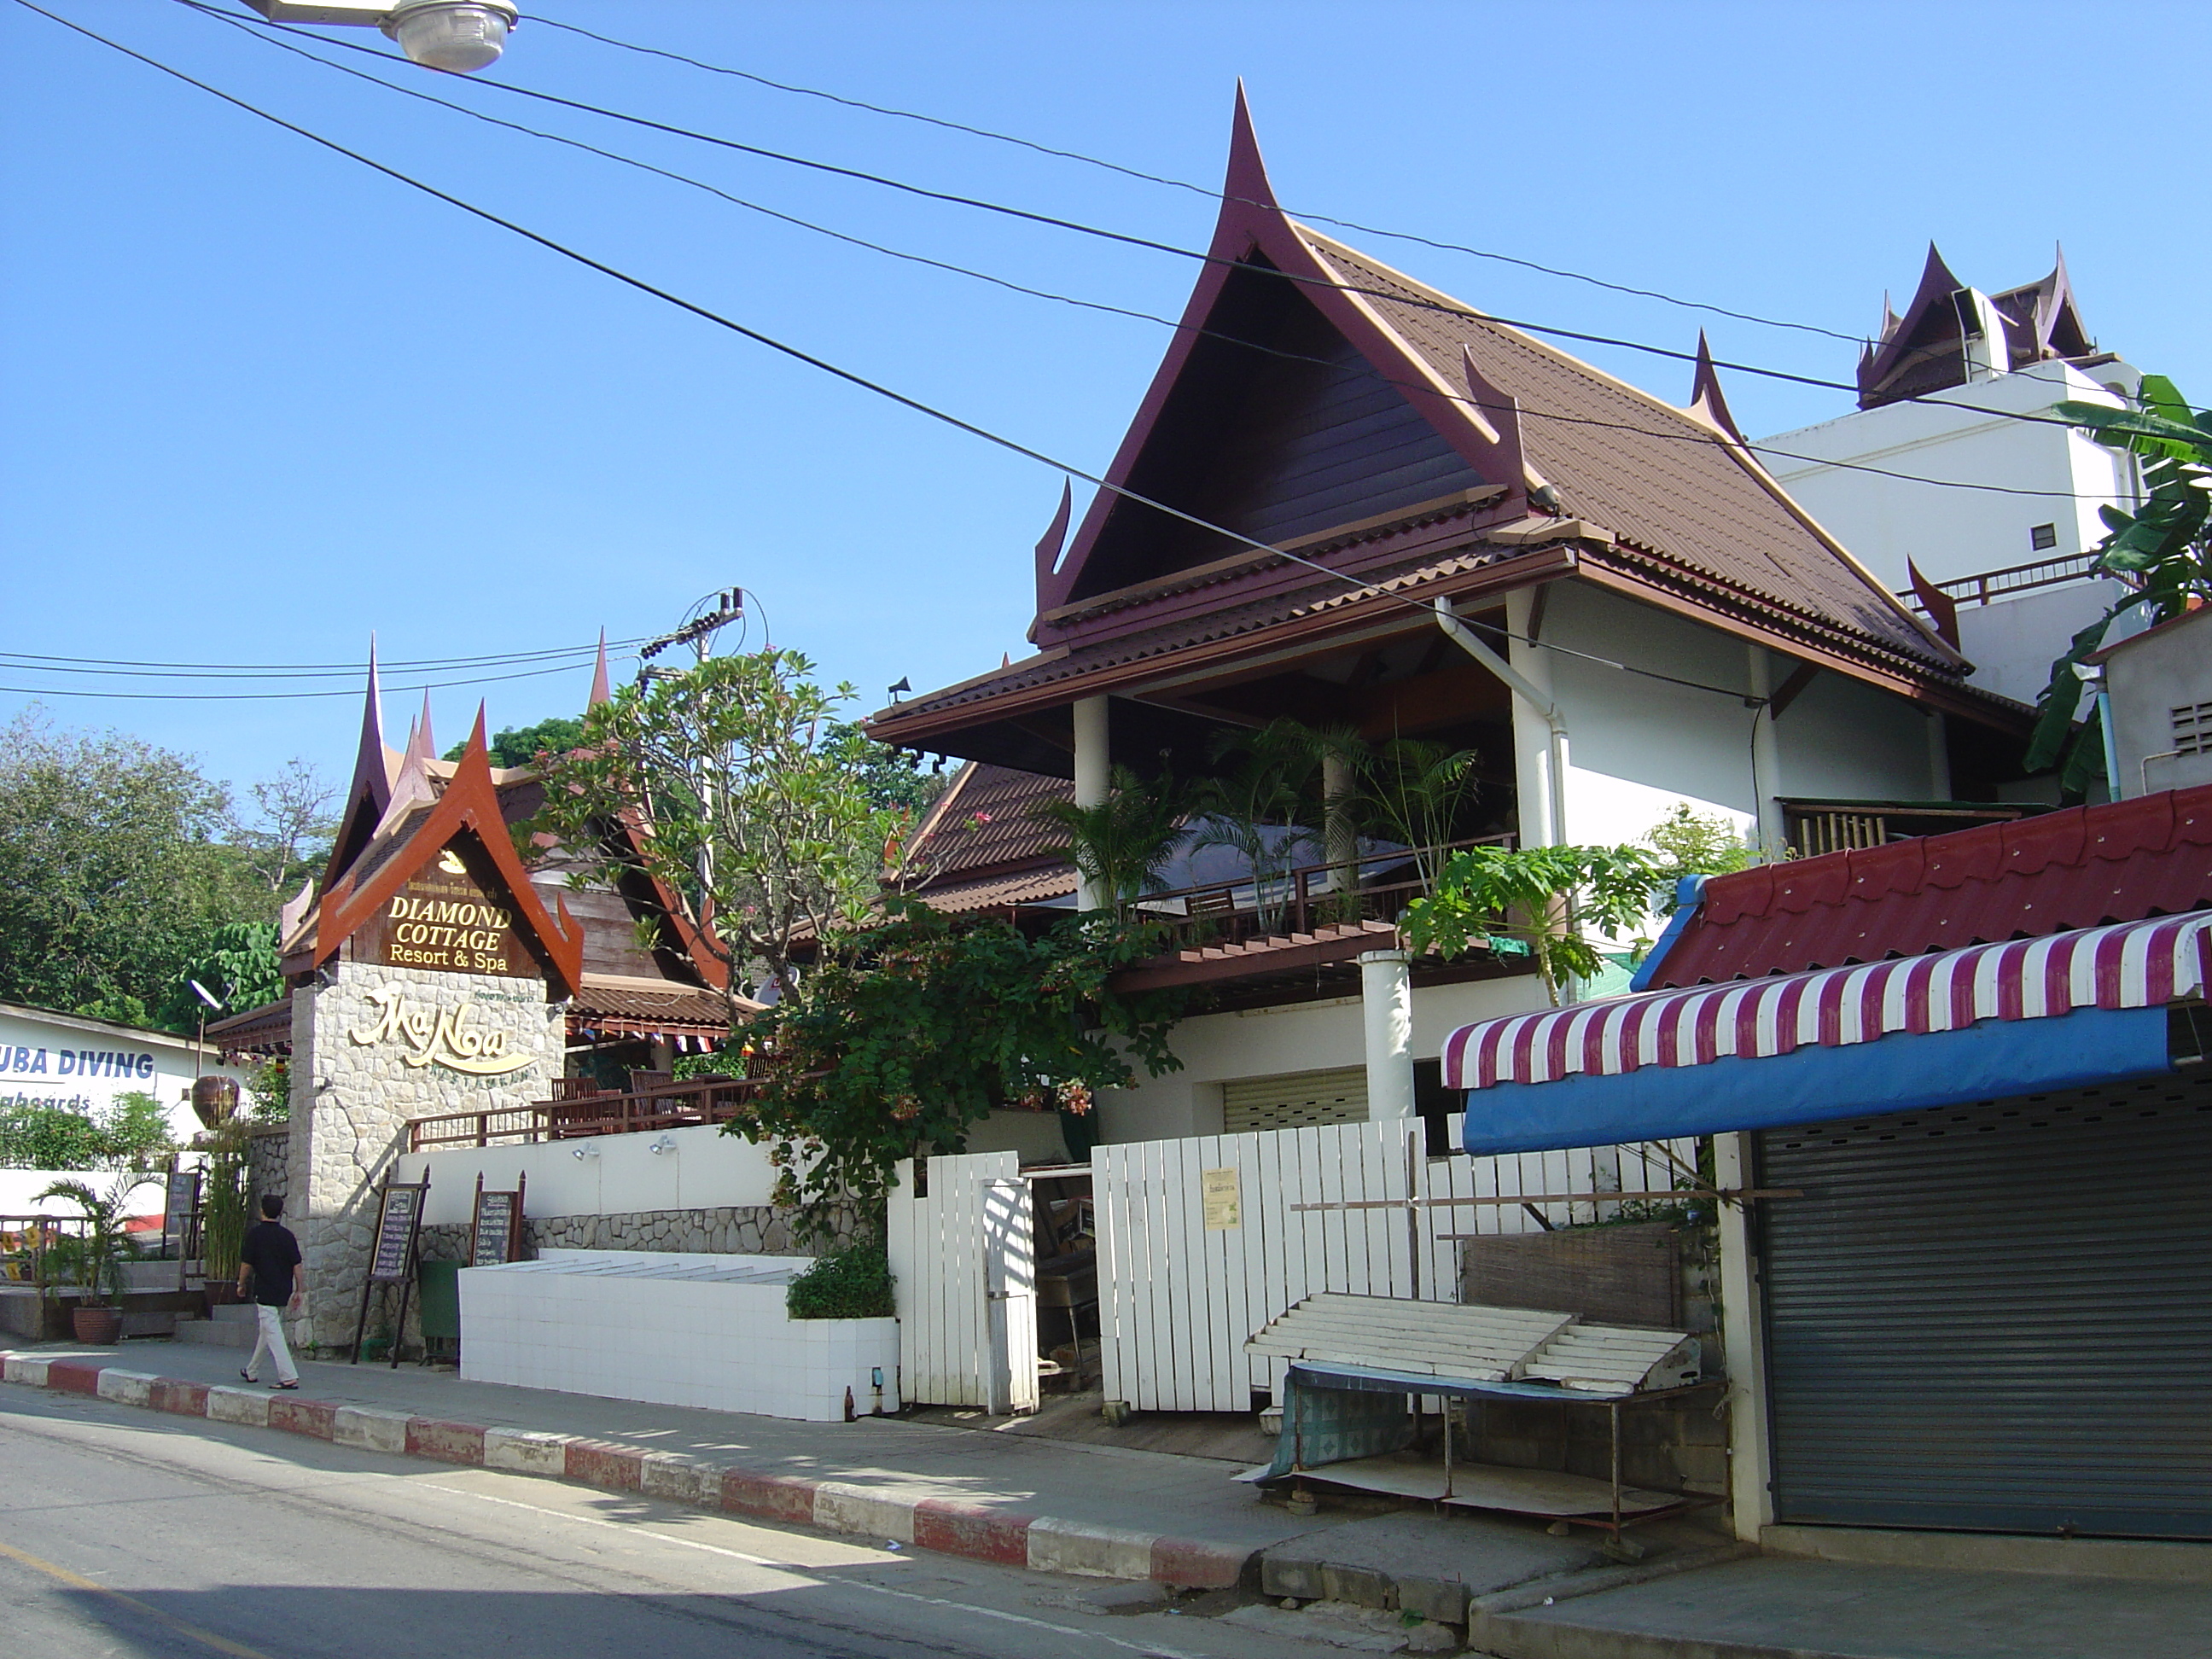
pixel 796 354
pixel 128 668
pixel 270 697
pixel 1127 172
pixel 1525 410
pixel 1445 307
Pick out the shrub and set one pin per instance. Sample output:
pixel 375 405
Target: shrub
pixel 855 1283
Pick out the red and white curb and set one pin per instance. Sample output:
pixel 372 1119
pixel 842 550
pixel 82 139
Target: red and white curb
pixel 1042 1543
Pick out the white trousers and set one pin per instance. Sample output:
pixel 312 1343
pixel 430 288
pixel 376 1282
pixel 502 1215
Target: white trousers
pixel 269 1322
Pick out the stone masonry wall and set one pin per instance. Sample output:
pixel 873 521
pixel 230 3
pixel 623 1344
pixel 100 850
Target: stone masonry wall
pixel 731 1230
pixel 357 1078
pixel 269 1162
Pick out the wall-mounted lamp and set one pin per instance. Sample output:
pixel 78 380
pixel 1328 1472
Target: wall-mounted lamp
pixel 589 1149
pixel 665 1144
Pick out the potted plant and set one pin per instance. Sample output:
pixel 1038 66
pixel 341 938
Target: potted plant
pixel 101 1250
pixel 224 1203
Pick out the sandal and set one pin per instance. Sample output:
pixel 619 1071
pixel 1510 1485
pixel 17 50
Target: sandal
pixel 284 1385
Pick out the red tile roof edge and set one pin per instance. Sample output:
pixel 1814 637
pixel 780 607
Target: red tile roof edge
pixel 2078 867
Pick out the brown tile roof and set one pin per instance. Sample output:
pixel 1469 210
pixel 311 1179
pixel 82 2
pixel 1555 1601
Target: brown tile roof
pixel 1038 886
pixel 1653 474
pixel 1312 599
pixel 648 1002
pixel 987 819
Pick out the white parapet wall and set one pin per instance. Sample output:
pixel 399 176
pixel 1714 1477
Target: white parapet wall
pixel 696 1169
pixel 676 1329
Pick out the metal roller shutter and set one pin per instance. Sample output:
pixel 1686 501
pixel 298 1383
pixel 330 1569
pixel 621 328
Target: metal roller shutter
pixel 1294 1100
pixel 1997 1316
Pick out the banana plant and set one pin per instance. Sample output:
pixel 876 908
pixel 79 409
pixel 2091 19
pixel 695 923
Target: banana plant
pixel 2160 552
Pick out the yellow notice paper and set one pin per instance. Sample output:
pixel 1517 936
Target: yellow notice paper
pixel 1224 1199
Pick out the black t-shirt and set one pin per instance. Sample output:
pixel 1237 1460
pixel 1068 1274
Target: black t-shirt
pixel 271 1252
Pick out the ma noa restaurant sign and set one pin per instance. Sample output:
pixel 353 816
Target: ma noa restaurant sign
pixel 444 918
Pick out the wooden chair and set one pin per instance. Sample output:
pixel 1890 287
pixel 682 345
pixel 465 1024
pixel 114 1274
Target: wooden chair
pixel 641 1081
pixel 579 1105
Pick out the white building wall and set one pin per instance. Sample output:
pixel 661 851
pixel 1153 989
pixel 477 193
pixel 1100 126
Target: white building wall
pixel 1305 1036
pixel 1968 438
pixel 604 1174
pixel 61 1059
pixel 2150 677
pixel 1843 739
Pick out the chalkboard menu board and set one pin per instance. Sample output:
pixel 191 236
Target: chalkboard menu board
pixel 395 1234
pixel 493 1242
pixel 182 1201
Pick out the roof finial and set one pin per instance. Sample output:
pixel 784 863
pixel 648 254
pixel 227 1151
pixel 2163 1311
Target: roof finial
pixel 1247 181
pixel 1705 396
pixel 600 693
pixel 423 743
pixel 1048 549
pixel 371 770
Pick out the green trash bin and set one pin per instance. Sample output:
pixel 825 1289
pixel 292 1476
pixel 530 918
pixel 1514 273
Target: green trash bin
pixel 438 1296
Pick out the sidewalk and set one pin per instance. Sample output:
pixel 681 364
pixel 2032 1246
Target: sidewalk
pixel 1057 1506
pixel 1050 1505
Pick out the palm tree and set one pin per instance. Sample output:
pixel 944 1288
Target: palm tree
pixel 1261 807
pixel 1415 792
pixel 104 1247
pixel 1122 845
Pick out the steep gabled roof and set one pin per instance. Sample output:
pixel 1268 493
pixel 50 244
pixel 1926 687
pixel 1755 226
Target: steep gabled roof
pixel 1454 426
pixel 469 803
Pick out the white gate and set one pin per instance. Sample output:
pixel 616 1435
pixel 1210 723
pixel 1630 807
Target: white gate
pixel 963 1259
pixel 1201 1240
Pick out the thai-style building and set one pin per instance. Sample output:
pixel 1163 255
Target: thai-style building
pixel 434 970
pixel 1351 498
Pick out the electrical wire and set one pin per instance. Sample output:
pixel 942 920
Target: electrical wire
pixel 277 697
pixel 21 661
pixel 540 20
pixel 1125 238
pixel 850 377
pixel 1525 410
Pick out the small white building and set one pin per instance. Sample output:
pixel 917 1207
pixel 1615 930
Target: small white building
pixel 2158 685
pixel 1960 390
pixel 48 1059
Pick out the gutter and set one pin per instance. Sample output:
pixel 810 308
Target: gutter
pixel 1525 688
pixel 1689 899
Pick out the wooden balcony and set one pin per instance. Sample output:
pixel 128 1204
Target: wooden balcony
pixel 581 1109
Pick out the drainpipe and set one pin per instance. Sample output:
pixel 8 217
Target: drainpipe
pixel 1532 701
pixel 1092 783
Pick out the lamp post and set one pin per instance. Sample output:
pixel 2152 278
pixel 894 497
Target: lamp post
pixel 457 36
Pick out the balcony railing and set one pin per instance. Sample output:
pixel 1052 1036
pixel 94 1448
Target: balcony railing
pixel 587 1111
pixel 1371 887
pixel 1988 585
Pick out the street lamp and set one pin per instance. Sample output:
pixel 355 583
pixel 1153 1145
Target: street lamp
pixel 454 35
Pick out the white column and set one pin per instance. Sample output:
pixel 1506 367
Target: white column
pixel 1765 759
pixel 1750 1492
pixel 1539 751
pixel 1386 994
pixel 1092 778
pixel 1939 758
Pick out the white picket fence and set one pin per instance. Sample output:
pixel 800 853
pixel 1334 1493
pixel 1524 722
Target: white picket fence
pixel 964 1259
pixel 1177 1297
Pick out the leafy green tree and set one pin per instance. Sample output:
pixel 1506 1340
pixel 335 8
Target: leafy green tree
pixel 132 1134
pixel 891 778
pixel 2165 552
pixel 748 812
pixel 896 1045
pixel 521 745
pixel 237 963
pixel 293 827
pixel 113 863
pixel 1694 843
pixel 1547 896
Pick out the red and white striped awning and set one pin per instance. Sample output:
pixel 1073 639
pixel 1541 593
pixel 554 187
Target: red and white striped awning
pixel 2135 964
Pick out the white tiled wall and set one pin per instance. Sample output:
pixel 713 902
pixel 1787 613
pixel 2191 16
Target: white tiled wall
pixel 679 1330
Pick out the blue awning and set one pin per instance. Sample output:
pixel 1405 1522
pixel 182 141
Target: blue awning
pixel 1990 1060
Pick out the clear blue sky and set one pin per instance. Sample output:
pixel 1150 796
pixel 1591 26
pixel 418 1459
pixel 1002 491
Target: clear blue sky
pixel 258 400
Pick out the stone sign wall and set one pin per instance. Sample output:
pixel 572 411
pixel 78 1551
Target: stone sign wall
pixel 376 1047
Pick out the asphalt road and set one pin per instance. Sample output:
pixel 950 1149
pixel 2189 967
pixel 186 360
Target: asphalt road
pixel 124 1534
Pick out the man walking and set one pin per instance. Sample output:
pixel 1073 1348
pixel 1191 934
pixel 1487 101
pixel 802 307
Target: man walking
pixel 268 1271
